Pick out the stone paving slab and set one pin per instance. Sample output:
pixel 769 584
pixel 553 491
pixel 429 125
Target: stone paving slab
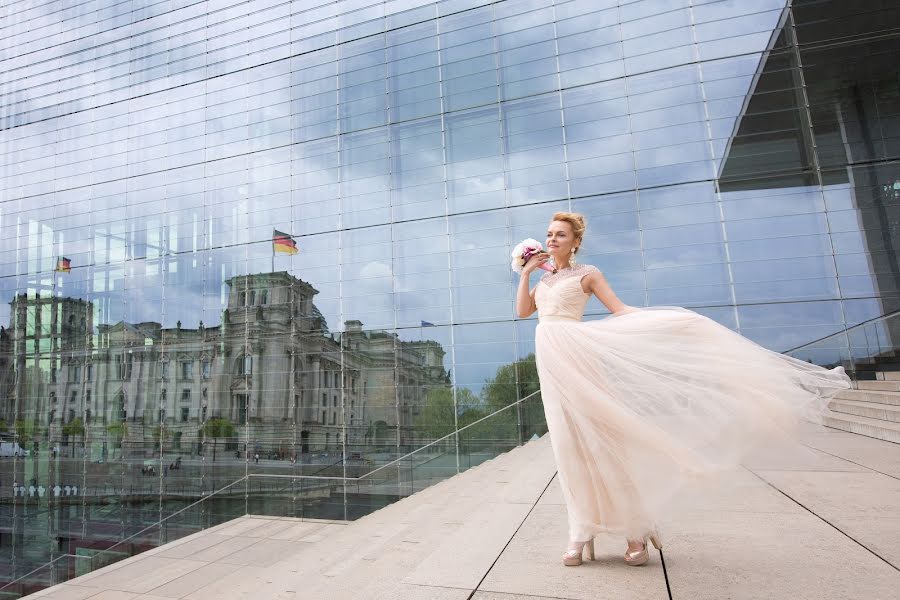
pixel 66 591
pixel 532 565
pixel 193 581
pixel 864 506
pixel 765 555
pixel 803 458
pixel 869 452
pixel 144 575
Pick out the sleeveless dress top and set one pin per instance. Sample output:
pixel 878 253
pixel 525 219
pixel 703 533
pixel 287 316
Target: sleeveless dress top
pixel 559 296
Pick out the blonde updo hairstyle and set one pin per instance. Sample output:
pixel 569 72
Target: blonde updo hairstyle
pixel 576 220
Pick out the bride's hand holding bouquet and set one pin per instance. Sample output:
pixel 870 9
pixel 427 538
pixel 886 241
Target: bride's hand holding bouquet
pixel 529 255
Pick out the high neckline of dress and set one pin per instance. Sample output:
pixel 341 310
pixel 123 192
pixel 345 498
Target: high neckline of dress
pixel 571 268
pixel 564 273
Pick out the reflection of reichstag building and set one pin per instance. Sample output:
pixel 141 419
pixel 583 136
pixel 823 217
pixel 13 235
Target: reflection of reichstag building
pixel 270 368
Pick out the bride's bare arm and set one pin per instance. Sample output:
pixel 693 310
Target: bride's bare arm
pixel 596 284
pixel 525 305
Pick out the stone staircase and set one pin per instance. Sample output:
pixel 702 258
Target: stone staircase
pixel 872 407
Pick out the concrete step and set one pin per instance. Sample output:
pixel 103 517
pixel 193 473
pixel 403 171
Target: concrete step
pixel 874 396
pixel 869 368
pixel 872 410
pixel 874 428
pixel 865 374
pixel 870 375
pixel 878 386
pixel 878 360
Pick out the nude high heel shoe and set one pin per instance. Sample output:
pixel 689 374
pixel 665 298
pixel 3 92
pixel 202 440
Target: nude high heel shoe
pixel 572 558
pixel 640 557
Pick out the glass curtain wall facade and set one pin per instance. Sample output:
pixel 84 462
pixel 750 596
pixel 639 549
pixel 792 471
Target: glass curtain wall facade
pixel 274 236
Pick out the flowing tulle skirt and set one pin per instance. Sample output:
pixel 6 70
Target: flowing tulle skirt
pixel 642 405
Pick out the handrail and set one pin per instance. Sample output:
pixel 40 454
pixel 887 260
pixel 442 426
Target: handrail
pixel 843 331
pixel 274 476
pixel 384 466
pixel 453 433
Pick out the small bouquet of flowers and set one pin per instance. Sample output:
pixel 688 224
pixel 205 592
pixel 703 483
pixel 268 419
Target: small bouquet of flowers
pixel 525 250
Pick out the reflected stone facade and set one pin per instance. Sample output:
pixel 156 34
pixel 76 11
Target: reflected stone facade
pixel 270 366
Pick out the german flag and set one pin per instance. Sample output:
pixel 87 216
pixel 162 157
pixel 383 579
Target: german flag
pixel 282 242
pixel 63 265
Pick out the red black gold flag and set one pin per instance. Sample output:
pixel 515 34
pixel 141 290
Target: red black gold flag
pixel 63 265
pixel 282 242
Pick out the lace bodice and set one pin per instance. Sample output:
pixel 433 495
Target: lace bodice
pixel 560 295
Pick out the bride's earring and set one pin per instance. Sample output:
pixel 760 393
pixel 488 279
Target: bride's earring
pixel 572 258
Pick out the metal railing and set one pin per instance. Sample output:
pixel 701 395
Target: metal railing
pixel 98 559
pixel 856 346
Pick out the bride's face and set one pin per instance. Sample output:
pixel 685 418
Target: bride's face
pixel 560 239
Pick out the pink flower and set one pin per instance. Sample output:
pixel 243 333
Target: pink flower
pixel 525 250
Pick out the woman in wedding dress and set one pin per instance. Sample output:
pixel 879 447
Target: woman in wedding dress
pixel 647 400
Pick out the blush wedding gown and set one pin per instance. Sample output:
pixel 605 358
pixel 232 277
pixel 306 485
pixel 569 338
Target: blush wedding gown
pixel 641 404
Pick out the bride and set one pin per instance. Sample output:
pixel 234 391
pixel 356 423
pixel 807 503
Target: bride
pixel 648 400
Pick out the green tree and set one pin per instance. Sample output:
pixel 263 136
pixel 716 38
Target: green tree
pixel 73 428
pixel 512 382
pixel 216 428
pixel 436 418
pixel 25 430
pixel 119 430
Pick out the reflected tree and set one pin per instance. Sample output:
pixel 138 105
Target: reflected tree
pixel 511 383
pixel 118 431
pixel 25 431
pixel 71 430
pixel 437 417
pixel 217 428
